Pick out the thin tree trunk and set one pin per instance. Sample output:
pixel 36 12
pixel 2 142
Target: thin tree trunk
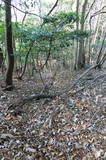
pixel 26 59
pixel 77 44
pixel 100 52
pixel 9 74
pixel 81 55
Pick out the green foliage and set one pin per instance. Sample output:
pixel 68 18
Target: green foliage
pixel 63 18
pixel 61 38
pixel 58 28
pixel 79 34
pixel 2 32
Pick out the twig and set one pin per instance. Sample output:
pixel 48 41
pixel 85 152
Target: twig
pixel 100 52
pixel 52 8
pixel 50 83
pixel 89 69
pixel 22 10
pixel 100 76
pixel 90 9
pixel 26 58
pixel 49 53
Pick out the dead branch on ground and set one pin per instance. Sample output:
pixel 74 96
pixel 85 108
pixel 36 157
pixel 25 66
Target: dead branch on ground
pixel 25 100
pixel 85 73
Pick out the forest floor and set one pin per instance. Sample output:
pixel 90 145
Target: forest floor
pixel 67 127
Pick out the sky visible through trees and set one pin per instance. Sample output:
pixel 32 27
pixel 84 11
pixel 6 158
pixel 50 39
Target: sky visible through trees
pixel 34 9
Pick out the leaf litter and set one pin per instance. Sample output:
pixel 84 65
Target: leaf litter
pixel 64 128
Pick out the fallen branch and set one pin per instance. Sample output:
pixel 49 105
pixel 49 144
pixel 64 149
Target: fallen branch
pixel 25 100
pixel 89 84
pixel 100 76
pixel 82 75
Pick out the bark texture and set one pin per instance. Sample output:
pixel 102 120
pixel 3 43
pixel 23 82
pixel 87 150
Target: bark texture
pixel 9 45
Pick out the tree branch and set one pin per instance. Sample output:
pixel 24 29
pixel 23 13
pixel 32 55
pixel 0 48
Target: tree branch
pixel 22 10
pixel 90 9
pixel 28 99
pixel 97 13
pixel 52 8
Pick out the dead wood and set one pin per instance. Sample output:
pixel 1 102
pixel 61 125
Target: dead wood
pixel 85 73
pixel 8 88
pixel 90 83
pixel 99 76
pixel 28 99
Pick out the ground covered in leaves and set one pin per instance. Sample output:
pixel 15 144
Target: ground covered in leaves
pixel 68 127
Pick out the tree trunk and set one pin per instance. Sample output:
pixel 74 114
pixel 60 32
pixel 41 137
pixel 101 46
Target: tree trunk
pixel 100 55
pixel 81 54
pixel 1 58
pixel 9 73
pixel 77 44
